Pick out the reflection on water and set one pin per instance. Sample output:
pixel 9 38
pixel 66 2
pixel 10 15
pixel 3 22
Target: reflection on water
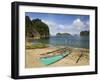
pixel 74 41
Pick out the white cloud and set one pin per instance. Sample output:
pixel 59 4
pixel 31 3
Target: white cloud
pixel 78 23
pixel 62 26
pixel 49 23
pixel 74 28
pixel 55 27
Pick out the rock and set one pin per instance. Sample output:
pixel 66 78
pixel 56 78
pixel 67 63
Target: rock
pixel 84 33
pixel 63 34
pixel 36 29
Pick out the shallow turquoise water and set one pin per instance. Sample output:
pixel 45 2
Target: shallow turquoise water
pixel 50 60
pixel 73 41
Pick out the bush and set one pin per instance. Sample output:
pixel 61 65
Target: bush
pixel 35 46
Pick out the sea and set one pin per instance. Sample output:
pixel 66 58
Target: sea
pixel 72 41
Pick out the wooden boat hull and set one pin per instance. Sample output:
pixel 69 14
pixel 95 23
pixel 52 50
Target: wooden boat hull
pixel 53 59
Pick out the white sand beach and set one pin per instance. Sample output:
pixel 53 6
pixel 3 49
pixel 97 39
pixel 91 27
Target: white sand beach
pixel 32 57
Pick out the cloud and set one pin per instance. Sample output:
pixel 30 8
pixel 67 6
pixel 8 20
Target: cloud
pixel 50 23
pixel 54 27
pixel 74 28
pixel 78 23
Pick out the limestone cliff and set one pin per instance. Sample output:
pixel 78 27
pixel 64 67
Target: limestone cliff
pixel 84 33
pixel 36 29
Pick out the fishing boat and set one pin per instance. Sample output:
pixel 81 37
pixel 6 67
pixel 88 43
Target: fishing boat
pixel 54 56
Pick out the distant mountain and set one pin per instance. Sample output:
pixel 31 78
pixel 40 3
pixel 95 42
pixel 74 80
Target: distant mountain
pixel 36 28
pixel 63 34
pixel 84 33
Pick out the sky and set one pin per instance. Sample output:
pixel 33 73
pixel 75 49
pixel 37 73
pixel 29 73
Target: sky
pixel 62 23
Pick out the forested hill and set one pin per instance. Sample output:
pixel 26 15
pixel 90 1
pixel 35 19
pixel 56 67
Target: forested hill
pixel 84 33
pixel 36 28
pixel 63 34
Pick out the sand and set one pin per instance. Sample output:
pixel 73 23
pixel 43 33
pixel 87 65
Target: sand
pixel 32 57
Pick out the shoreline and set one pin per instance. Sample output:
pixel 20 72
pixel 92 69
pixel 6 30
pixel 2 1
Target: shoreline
pixel 32 57
pixel 30 43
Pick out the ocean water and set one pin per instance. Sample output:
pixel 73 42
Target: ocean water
pixel 73 41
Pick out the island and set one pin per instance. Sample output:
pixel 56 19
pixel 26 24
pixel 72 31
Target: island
pixel 84 33
pixel 43 49
pixel 63 34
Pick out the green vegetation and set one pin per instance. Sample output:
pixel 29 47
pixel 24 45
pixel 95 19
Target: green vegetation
pixel 36 28
pixel 63 34
pixel 34 46
pixel 84 33
pixel 41 27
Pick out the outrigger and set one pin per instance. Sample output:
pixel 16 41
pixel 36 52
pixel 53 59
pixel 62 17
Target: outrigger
pixel 54 56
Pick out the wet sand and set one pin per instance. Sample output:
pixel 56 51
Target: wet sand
pixel 32 57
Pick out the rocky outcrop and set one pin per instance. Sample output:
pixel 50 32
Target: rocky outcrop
pixel 36 29
pixel 41 27
pixel 63 34
pixel 84 33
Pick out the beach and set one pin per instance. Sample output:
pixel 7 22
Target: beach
pixel 64 42
pixel 77 57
